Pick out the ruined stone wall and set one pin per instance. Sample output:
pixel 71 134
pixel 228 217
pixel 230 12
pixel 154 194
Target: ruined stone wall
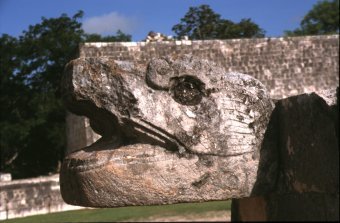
pixel 286 66
pixel 20 198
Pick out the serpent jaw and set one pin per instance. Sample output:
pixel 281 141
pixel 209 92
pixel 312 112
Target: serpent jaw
pixel 190 132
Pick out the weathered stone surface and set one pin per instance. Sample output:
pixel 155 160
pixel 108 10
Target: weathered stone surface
pixel 31 196
pixel 176 130
pixel 78 132
pixel 286 66
pixel 299 163
pixel 309 151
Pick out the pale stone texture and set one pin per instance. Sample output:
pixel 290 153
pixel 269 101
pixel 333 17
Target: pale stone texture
pixel 5 177
pixel 286 66
pixel 176 130
pixel 79 133
pixel 32 196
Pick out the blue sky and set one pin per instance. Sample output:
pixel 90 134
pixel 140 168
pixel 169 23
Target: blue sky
pixel 138 17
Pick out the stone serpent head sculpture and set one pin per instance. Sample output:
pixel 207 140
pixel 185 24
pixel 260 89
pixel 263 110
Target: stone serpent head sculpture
pixel 174 130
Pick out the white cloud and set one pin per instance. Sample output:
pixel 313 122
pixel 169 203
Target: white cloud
pixel 109 24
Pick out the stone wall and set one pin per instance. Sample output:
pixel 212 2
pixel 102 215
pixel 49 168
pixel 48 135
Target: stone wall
pixel 20 198
pixel 78 132
pixel 286 66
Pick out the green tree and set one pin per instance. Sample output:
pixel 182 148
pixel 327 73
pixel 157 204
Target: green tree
pixel 10 135
pixel 198 23
pixel 119 37
pixel 202 22
pixel 323 18
pixel 32 118
pixel 244 29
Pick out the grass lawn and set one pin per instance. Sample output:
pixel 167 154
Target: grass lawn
pixel 125 213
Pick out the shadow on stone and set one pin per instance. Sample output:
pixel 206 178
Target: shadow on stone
pixel 298 176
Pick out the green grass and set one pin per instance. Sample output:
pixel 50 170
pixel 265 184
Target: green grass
pixel 124 213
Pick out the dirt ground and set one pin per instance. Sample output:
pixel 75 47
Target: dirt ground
pixel 212 216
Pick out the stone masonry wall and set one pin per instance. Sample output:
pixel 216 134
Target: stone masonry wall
pixel 19 198
pixel 286 66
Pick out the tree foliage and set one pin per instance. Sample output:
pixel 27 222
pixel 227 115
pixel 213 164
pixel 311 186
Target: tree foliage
pixel 32 118
pixel 202 22
pixel 119 37
pixel 323 18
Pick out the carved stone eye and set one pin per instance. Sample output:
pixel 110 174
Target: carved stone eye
pixel 187 90
pixel 158 74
